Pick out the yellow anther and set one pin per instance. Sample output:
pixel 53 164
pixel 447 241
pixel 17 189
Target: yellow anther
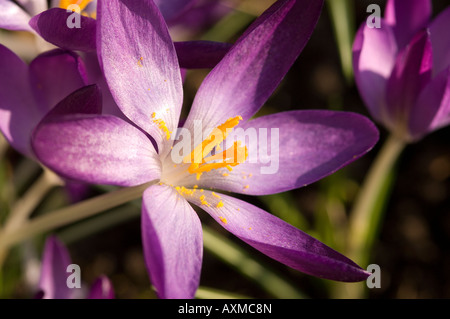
pixel 183 191
pixel 139 62
pixel 233 156
pixel 203 200
pixel 223 220
pixel 161 125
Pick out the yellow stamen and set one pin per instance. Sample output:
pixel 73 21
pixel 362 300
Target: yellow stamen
pixel 184 191
pixel 82 4
pixel 161 125
pixel 203 200
pixel 233 156
pixel 139 62
pixel 223 220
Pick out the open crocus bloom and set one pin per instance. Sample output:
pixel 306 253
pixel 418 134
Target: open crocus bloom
pixel 186 164
pixel 402 69
pixel 54 276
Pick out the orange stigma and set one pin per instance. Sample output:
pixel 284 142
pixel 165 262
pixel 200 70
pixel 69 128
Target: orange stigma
pixel 234 155
pixel 82 4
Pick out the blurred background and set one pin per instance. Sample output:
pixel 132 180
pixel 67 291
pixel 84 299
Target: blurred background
pixel 412 246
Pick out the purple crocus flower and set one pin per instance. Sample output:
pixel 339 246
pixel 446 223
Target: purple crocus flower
pixel 54 275
pixel 142 71
pixel 28 92
pixel 402 69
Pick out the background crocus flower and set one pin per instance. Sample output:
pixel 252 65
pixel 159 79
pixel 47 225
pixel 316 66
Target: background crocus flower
pixel 28 92
pixel 402 69
pixel 142 71
pixel 54 274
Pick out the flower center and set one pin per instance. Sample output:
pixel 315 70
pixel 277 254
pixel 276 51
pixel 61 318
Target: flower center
pixel 82 4
pixel 206 156
pixel 234 155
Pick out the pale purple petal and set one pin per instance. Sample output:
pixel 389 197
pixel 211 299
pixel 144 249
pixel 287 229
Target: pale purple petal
pixel 432 109
pixel 52 26
pixel 407 17
pixel 277 239
pixel 440 41
pixel 200 54
pixel 93 148
pixel 172 241
pixel 374 53
pixel 292 149
pixel 12 17
pixel 53 281
pixel 101 289
pixel 54 75
pixel 411 73
pixel 256 64
pixel 18 111
pixel 141 66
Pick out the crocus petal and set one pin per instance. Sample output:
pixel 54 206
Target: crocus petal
pixel 172 240
pixel 12 17
pixel 407 18
pixel 94 148
pixel 374 53
pixel 53 26
pixel 54 75
pixel 101 289
pixel 292 149
pixel 277 239
pixel 18 111
pixel 53 281
pixel 432 109
pixel 141 66
pixel 172 9
pixel 411 73
pixel 440 41
pixel 200 54
pixel 256 64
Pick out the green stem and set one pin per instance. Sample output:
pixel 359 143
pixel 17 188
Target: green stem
pixel 368 199
pixel 69 215
pixel 343 19
pixel 366 217
pixel 23 208
pixel 209 293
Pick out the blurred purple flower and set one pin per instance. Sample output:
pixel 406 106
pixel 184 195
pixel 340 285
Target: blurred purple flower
pixel 402 69
pixel 54 275
pixel 142 71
